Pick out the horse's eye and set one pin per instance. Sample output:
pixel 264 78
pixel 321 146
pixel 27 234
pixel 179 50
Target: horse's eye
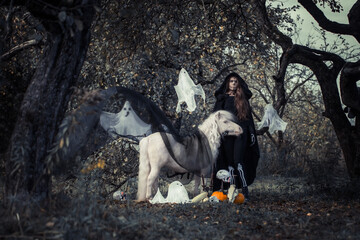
pixel 226 121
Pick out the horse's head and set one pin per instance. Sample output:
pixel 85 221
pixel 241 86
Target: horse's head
pixel 226 123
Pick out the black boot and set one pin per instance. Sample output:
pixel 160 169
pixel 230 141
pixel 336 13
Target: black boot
pixel 245 192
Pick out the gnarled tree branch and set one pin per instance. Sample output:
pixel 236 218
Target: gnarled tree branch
pixel 325 23
pixel 18 48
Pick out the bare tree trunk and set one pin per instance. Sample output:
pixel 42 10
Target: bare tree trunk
pixel 349 138
pixel 43 109
pixel 347 135
pixel 351 98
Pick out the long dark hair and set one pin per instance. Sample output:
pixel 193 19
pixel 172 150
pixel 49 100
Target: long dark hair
pixel 241 103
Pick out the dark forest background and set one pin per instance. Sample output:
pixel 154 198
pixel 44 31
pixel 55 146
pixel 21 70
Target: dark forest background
pixel 54 55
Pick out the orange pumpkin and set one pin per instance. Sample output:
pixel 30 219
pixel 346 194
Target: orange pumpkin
pixel 239 199
pixel 219 195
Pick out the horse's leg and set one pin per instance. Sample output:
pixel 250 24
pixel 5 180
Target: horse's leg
pixel 152 178
pixel 158 157
pixel 196 185
pixel 155 185
pixel 144 170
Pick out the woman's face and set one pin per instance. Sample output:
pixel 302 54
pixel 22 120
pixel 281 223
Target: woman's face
pixel 233 83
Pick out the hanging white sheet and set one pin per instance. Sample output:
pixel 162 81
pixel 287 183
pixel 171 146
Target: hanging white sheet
pixel 186 91
pixel 125 123
pixel 272 120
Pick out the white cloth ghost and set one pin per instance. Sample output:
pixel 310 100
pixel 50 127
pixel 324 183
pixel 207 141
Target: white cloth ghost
pixel 186 91
pixel 272 120
pixel 176 194
pixel 158 198
pixel 125 123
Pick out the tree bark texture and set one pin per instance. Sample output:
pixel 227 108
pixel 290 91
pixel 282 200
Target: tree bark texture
pixel 44 106
pixel 349 138
pixel 351 98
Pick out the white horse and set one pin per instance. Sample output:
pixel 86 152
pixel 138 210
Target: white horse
pixel 154 154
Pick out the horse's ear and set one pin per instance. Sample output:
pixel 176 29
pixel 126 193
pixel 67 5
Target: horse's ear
pixel 217 115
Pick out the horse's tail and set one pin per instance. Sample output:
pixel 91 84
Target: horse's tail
pixel 144 169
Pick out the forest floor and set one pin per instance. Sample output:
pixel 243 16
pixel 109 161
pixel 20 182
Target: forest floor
pixel 278 209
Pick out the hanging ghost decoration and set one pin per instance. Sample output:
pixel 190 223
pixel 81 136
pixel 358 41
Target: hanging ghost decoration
pixel 272 120
pixel 81 132
pixel 186 91
pixel 124 123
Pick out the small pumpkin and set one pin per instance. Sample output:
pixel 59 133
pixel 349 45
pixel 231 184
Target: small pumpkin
pixel 219 195
pixel 239 199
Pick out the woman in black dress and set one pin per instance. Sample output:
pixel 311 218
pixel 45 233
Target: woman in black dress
pixel 238 155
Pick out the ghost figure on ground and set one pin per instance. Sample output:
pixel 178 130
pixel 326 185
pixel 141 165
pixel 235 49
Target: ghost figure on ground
pixel 124 123
pixel 186 91
pixel 158 198
pixel 177 193
pixel 272 120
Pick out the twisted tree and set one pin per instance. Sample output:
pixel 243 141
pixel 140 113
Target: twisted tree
pixel 149 42
pixel 66 26
pixel 348 136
